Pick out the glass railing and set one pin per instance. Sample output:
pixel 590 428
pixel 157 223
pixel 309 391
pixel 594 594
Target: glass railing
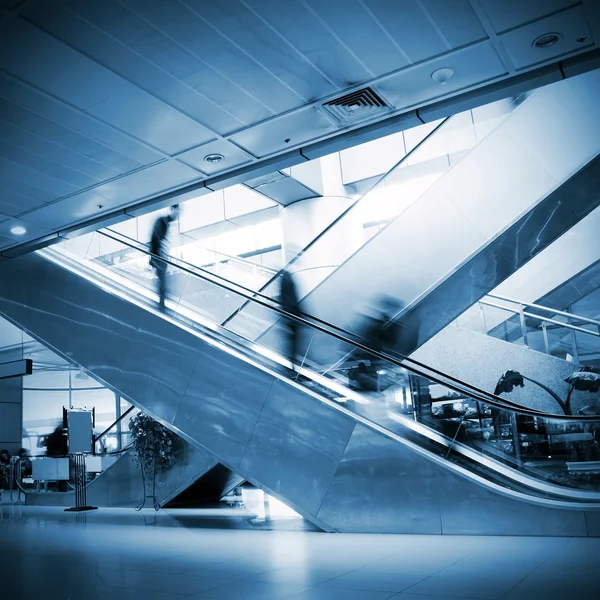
pixel 550 331
pixel 554 454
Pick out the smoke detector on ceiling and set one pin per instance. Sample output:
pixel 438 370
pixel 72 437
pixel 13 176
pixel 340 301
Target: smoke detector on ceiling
pixel 355 107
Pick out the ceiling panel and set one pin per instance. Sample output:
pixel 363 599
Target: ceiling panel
pixel 77 130
pixel 294 20
pixel 571 25
pixel 472 65
pixel 13 204
pixel 187 28
pixel 30 141
pixel 115 56
pixel 23 189
pixel 373 47
pixel 71 210
pixel 43 65
pixel 55 187
pixel 411 28
pixel 506 14
pixel 147 182
pixel 145 117
pixel 457 21
pixel 299 127
pixel 240 24
pixel 61 136
pixel 4 241
pixel 122 99
pixel 232 157
pixel 45 166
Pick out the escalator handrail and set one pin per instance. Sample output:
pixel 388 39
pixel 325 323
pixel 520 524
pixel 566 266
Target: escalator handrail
pixel 17 477
pixel 559 324
pixel 113 424
pixel 554 311
pixel 414 366
pixel 320 324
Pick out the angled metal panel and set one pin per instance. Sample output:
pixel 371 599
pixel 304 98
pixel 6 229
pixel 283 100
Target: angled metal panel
pixel 228 396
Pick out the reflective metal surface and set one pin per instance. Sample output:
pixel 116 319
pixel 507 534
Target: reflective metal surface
pixel 381 486
pixel 280 436
pixel 296 429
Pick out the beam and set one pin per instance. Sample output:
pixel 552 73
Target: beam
pixel 17 368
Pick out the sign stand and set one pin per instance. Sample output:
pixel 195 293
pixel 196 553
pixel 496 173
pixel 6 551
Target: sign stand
pixel 80 486
pixel 80 429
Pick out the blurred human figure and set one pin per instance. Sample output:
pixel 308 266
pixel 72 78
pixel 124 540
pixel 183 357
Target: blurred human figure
pixel 288 298
pixel 4 469
pixel 56 443
pixel 380 331
pixel 158 243
pixel 26 465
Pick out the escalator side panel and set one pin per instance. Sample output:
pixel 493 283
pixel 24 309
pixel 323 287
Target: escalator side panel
pixel 296 429
pixel 296 448
pixel 545 223
pixel 222 402
pixel 219 405
pixel 383 487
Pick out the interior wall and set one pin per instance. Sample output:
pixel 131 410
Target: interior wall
pixel 11 390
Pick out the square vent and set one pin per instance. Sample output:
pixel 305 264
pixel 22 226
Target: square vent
pixel 358 106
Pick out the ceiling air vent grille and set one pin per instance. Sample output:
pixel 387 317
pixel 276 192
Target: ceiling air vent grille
pixel 357 106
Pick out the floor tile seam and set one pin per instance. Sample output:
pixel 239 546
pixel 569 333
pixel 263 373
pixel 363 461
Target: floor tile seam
pixel 524 578
pixel 435 573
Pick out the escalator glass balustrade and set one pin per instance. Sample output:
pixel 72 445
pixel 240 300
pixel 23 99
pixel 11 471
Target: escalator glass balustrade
pixel 551 455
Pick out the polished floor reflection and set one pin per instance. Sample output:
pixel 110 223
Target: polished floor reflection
pixel 123 555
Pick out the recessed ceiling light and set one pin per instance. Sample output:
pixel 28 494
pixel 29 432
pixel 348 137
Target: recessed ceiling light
pixel 442 75
pixel 548 39
pixel 213 158
pixel 18 230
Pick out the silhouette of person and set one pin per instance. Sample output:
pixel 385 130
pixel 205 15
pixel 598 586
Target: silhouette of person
pixel 288 298
pixel 158 249
pixel 4 469
pixel 56 443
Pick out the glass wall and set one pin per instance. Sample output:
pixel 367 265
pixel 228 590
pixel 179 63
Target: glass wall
pixel 55 384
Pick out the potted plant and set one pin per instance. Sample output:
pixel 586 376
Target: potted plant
pixel 156 449
pixel 586 379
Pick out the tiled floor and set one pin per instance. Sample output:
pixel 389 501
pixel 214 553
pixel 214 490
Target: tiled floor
pixel 121 555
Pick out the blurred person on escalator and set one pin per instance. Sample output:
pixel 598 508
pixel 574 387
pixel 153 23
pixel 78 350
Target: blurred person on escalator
pixel 288 298
pixel 381 330
pixel 158 248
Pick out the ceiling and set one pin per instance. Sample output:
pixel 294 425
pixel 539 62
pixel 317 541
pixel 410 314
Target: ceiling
pixel 115 104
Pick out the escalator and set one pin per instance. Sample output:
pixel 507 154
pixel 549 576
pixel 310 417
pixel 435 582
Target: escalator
pixel 516 187
pixel 420 452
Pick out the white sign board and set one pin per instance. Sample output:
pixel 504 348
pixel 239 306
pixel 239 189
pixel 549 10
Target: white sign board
pixel 50 469
pixel 80 430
